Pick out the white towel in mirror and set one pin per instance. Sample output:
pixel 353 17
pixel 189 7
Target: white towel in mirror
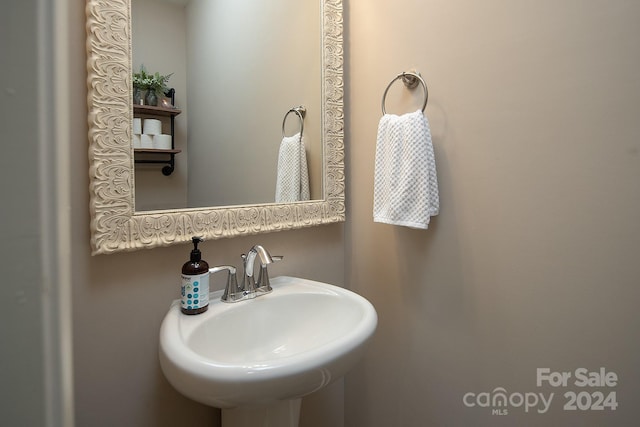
pixel 292 184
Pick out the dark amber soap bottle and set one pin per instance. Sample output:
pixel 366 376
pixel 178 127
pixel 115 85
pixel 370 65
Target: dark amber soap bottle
pixel 195 282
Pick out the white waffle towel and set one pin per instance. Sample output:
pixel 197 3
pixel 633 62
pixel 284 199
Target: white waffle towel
pixel 405 190
pixel 292 184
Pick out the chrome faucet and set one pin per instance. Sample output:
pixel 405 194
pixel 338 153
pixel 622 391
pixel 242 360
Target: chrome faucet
pixel 250 288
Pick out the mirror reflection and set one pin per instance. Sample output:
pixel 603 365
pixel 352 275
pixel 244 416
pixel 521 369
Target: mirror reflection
pixel 238 67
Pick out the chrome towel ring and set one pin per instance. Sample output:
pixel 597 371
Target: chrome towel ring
pixel 410 80
pixel 301 112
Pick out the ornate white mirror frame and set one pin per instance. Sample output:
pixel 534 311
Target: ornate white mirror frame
pixel 115 225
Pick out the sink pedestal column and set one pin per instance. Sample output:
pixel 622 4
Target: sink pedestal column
pixel 281 414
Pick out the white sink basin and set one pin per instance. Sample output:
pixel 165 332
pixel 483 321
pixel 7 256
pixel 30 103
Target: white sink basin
pixel 276 347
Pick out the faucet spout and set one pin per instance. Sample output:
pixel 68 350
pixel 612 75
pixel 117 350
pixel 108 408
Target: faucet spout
pixel 249 283
pixel 250 258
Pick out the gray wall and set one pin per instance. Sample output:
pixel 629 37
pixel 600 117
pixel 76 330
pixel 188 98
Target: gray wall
pixel 22 386
pixel 533 260
pixel 35 332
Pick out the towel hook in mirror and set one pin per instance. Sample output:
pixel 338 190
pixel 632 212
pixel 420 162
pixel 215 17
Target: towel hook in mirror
pixel 410 80
pixel 301 112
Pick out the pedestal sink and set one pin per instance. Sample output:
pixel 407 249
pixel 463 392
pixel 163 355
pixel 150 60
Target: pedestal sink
pixel 256 359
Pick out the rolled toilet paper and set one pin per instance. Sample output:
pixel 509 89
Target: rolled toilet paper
pixel 136 141
pixel 152 126
pixel 146 141
pixel 162 141
pixel 137 126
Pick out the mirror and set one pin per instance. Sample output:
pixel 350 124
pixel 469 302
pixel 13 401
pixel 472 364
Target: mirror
pixel 229 129
pixel 115 224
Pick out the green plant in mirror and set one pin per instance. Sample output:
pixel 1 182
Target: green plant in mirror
pixel 155 82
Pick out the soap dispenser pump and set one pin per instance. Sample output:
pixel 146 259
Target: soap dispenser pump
pixel 195 282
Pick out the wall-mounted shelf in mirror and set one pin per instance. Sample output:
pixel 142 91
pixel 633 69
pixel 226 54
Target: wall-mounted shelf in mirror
pixel 158 155
pixel 152 110
pixel 155 151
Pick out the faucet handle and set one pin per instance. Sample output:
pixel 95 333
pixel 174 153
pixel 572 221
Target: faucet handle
pixel 231 291
pixel 264 285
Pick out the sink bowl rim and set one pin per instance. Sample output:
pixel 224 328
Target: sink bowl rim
pixel 188 361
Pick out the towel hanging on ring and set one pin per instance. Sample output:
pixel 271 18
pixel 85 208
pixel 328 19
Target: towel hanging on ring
pixel 292 182
pixel 405 189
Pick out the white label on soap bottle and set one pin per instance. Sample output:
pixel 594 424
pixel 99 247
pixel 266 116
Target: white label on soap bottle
pixel 195 291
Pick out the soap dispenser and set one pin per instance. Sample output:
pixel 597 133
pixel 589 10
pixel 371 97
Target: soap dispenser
pixel 195 282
